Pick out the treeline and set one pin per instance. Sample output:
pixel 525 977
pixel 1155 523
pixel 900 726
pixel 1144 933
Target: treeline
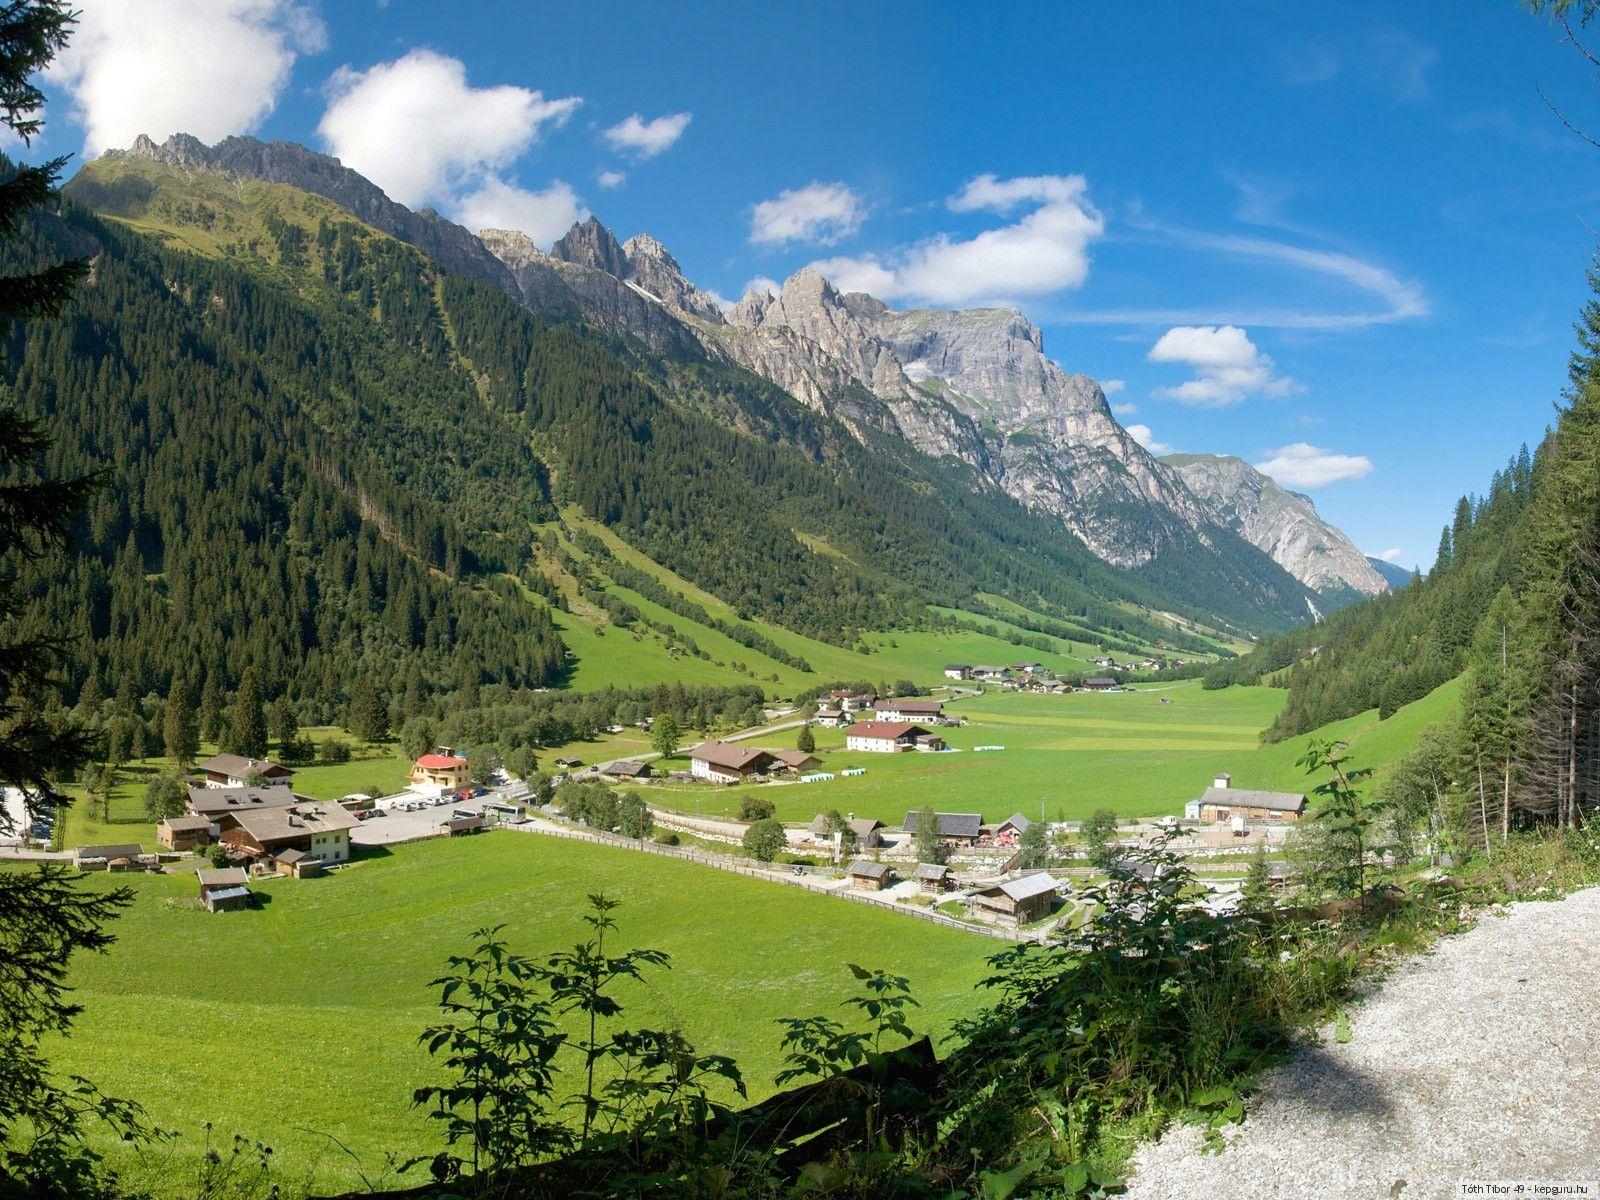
pixel 1398 647
pixel 651 588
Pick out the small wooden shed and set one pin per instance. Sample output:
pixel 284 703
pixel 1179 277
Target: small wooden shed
pixel 933 877
pixel 868 875
pixel 224 889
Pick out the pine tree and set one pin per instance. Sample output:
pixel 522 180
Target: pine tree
pixel 369 712
pixel 1255 893
pixel 806 743
pixel 247 724
pixel 929 845
pixel 283 721
pixel 180 734
pixel 211 709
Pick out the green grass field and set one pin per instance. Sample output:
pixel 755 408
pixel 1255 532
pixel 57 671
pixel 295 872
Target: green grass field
pixel 305 1013
pixel 1076 753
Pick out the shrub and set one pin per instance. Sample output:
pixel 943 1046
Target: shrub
pixel 765 840
pixel 756 808
pixel 334 750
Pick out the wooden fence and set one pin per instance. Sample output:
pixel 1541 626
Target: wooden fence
pixel 795 877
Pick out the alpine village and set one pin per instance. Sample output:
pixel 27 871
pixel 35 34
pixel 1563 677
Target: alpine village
pixel 956 690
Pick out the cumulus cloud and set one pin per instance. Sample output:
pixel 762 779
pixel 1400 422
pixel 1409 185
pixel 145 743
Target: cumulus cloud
pixel 1302 465
pixel 1124 410
pixel 1142 435
pixel 419 130
pixel 646 139
pixel 206 67
pixel 762 284
pixel 1227 364
pixel 818 214
pixel 1044 251
pixel 1391 555
pixel 1112 386
pixel 611 179
pixel 543 215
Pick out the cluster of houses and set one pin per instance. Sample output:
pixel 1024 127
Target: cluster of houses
pixel 732 762
pixel 842 708
pixel 1035 677
pixel 1019 901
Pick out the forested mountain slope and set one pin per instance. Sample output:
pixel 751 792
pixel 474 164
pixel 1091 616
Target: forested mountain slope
pixel 330 460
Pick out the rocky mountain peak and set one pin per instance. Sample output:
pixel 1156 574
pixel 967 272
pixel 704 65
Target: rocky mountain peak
pixel 512 247
pixel 641 247
pixel 591 244
pixel 752 310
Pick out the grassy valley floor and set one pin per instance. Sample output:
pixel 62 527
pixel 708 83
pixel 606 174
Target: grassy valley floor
pixel 298 1022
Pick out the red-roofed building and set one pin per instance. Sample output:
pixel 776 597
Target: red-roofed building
pixel 890 737
pixel 442 771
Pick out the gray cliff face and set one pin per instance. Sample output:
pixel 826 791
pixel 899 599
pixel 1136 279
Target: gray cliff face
pixel 449 244
pixel 1284 524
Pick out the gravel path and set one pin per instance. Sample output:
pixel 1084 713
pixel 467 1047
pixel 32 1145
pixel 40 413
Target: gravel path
pixel 1479 1061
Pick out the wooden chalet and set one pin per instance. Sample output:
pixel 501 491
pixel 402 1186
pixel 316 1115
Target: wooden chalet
pixel 213 803
pixel 890 737
pixel 1019 901
pixel 797 760
pixel 868 875
pixel 628 769
pixel 729 762
pixel 186 832
pixel 956 829
pixel 224 889
pixel 932 877
pixel 235 770
pixel 116 856
pixel 320 828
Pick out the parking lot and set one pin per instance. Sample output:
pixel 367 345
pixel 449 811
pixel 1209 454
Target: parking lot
pixel 398 825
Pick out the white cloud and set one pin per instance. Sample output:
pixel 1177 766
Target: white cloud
pixel 611 179
pixel 416 128
pixel 1392 555
pixel 210 68
pixel 1302 465
pixel 1124 410
pixel 646 139
pixel 1112 386
pixel 1142 435
pixel 1227 365
pixel 819 214
pixel 1045 251
pixel 543 215
pixel 762 283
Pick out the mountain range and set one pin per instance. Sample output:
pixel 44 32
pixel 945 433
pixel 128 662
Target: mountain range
pixel 870 461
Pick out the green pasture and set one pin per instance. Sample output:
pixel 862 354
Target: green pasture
pixel 297 1023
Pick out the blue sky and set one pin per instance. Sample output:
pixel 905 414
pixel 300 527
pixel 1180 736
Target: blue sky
pixel 1344 240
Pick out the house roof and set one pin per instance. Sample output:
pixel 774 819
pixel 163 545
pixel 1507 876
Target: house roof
pixel 862 826
pixel 795 758
pixel 117 850
pixel 1099 681
pixel 730 755
pixel 440 762
pixel 628 768
pixel 950 824
pixel 228 893
pixel 868 869
pixel 290 856
pixel 957 667
pixel 187 822
pixel 890 730
pixel 236 766
pixel 930 871
pixel 222 877
pixel 1017 821
pixel 295 821
pixel 927 707
pixel 214 802
pixel 1231 797
pixel 1030 885
pixel 990 669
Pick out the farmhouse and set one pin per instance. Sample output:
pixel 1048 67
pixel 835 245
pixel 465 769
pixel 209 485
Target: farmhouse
pixel 1099 683
pixel 223 889
pixel 234 770
pixel 1222 801
pixel 442 771
pixel 106 858
pixel 1020 901
pixel 958 671
pixel 728 762
pixel 961 829
pixel 628 769
pixel 186 832
pixel 868 832
pixel 989 674
pixel 852 702
pixel 213 802
pixel 829 718
pixel 890 737
pixel 1009 832
pixel 910 710
pixel 321 829
pixel 869 875
pixel 1027 668
pixel 797 760
pixel 933 877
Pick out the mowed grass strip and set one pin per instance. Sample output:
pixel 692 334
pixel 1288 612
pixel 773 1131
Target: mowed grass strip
pixel 300 1019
